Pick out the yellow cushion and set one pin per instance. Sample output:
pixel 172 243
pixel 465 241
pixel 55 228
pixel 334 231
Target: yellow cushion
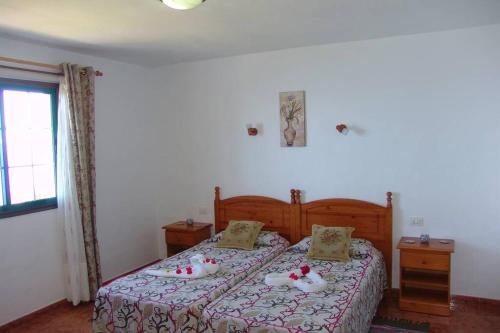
pixel 240 235
pixel 330 243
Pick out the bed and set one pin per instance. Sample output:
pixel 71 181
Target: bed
pixel 141 302
pixel 354 288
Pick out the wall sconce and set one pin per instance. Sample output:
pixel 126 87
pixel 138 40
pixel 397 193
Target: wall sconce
pixel 252 131
pixel 342 129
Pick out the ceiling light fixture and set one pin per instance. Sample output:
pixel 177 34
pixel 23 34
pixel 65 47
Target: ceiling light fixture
pixel 182 4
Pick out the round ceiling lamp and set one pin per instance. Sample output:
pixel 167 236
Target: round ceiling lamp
pixel 183 4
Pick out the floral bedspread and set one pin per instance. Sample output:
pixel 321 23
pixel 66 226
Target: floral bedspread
pixel 145 303
pixel 348 305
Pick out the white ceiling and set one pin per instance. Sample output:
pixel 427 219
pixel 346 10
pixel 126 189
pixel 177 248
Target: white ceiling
pixel 148 33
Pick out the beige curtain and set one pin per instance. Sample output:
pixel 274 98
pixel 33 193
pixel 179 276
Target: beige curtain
pixel 79 87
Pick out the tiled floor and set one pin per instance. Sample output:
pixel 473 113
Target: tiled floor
pixel 62 319
pixel 468 316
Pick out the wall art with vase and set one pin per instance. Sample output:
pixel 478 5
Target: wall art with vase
pixel 293 117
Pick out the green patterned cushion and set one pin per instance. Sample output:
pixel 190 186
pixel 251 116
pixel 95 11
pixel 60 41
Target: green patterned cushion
pixel 330 243
pixel 240 235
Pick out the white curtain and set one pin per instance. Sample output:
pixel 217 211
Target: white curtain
pixel 69 214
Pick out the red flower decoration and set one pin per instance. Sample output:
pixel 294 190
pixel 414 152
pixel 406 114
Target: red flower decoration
pixel 293 276
pixel 207 260
pixel 178 271
pixel 189 270
pixel 305 269
pixel 213 261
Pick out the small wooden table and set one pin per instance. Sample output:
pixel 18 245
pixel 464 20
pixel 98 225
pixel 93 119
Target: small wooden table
pixel 179 236
pixel 425 275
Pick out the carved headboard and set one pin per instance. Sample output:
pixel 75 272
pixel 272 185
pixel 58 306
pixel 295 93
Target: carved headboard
pixel 371 221
pixel 276 214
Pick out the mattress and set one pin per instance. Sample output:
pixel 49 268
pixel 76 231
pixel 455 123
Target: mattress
pixel 143 303
pixel 349 303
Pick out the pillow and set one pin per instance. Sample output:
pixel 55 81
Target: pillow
pixel 302 246
pixel 265 238
pixel 215 238
pixel 268 238
pixel 330 243
pixel 240 235
pixel 359 248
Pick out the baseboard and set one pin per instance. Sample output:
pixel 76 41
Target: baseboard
pixel 63 302
pixel 464 299
pixel 130 272
pixel 460 298
pixel 29 316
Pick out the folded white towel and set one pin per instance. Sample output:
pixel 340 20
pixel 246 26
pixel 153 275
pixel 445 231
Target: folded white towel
pixel 294 279
pixel 200 267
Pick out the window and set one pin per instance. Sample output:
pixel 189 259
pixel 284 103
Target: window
pixel 28 127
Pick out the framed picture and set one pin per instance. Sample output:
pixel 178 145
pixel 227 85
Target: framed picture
pixel 293 117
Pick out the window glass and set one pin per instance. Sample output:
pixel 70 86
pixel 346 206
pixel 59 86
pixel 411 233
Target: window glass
pixel 28 118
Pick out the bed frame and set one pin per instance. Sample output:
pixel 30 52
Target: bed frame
pixel 371 221
pixel 294 220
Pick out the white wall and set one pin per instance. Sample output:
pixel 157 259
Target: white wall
pixel 31 246
pixel 425 117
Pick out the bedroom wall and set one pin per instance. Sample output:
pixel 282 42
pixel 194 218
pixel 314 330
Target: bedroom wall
pixel 425 124
pixel 31 246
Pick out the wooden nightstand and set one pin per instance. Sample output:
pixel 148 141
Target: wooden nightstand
pixel 425 275
pixel 179 236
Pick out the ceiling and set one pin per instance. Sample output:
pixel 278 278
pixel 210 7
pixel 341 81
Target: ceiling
pixel 147 33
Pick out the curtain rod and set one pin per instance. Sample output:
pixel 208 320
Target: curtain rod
pixel 36 64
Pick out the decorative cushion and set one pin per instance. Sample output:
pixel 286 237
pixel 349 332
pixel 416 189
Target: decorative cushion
pixel 330 243
pixel 240 235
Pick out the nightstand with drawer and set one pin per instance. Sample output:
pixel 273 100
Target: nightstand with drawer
pixel 425 275
pixel 180 236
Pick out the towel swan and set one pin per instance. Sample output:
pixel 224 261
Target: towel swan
pixel 293 279
pixel 199 267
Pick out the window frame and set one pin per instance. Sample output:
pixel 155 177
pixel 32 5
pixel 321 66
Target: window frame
pixel 8 209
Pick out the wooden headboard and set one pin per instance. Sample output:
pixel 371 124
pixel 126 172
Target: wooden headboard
pixel 276 214
pixel 371 221
pixel 294 220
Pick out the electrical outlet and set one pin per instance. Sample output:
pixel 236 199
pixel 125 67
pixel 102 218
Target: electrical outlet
pixel 203 211
pixel 416 221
